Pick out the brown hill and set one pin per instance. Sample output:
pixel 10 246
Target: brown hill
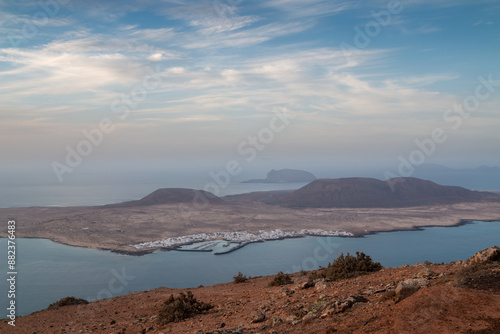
pixel 172 196
pixel 367 192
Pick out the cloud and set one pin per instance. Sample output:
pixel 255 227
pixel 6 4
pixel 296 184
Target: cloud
pixel 51 72
pixel 156 57
pixel 312 8
pixel 244 38
pixel 423 80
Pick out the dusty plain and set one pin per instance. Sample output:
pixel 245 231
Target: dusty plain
pixel 117 229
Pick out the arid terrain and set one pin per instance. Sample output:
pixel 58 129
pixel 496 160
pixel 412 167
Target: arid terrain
pixel 178 212
pixel 460 297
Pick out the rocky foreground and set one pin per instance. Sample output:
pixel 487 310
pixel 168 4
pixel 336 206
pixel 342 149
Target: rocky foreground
pixel 458 297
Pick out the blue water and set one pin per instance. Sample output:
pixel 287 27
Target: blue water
pixel 48 271
pixel 93 193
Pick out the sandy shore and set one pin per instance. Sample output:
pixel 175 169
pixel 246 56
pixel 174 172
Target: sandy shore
pixel 118 229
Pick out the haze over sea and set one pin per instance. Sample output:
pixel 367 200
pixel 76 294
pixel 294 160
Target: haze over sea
pixel 99 186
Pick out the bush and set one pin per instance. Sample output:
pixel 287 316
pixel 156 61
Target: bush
pixel 181 307
pixel 240 278
pixel 281 279
pixel 66 301
pixel 347 267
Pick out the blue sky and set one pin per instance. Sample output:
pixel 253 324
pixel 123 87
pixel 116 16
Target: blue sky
pixel 219 71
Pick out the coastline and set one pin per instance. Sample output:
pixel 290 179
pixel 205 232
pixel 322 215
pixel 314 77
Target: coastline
pixel 117 229
pixel 141 252
pixel 460 222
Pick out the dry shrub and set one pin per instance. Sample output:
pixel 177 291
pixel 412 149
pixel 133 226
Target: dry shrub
pixel 281 279
pixel 348 266
pixel 181 307
pixel 240 278
pixel 66 301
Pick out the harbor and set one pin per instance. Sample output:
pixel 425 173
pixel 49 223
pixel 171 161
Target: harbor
pixel 220 243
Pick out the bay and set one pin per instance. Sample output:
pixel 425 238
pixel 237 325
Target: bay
pixel 48 271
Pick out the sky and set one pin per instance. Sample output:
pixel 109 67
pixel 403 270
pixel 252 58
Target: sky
pixel 285 82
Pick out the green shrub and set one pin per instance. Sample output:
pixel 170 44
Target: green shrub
pixel 240 278
pixel 348 266
pixel 281 279
pixel 66 301
pixel 181 307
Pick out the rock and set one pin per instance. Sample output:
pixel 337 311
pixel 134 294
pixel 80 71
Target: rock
pixel 291 318
pixel 309 317
pixel 324 297
pixel 487 254
pixel 417 282
pixel 286 291
pixel 258 317
pixel 306 285
pixel 404 290
pixel 321 285
pixel 328 312
pixel 275 320
pixel 342 307
pixel 401 286
pixel 360 299
pixel 350 300
pixel 425 273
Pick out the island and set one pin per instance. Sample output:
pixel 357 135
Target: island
pixel 172 218
pixel 285 176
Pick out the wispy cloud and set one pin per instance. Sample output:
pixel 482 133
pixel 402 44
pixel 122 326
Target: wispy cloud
pixel 230 62
pixel 313 8
pixel 422 80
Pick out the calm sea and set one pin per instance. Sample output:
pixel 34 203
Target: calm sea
pixel 97 189
pixel 48 271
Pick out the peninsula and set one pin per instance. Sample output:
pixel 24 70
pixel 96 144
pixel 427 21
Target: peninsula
pixel 342 207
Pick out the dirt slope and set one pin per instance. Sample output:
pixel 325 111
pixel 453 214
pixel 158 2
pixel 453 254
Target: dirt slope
pixel 447 302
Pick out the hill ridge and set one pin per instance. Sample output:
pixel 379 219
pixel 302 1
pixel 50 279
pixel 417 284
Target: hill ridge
pixel 172 196
pixel 357 192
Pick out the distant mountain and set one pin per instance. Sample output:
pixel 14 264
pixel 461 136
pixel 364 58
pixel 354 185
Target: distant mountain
pixel 172 196
pixel 480 178
pixel 440 168
pixel 367 192
pixel 285 176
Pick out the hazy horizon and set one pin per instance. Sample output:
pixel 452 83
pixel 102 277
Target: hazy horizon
pixel 333 87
